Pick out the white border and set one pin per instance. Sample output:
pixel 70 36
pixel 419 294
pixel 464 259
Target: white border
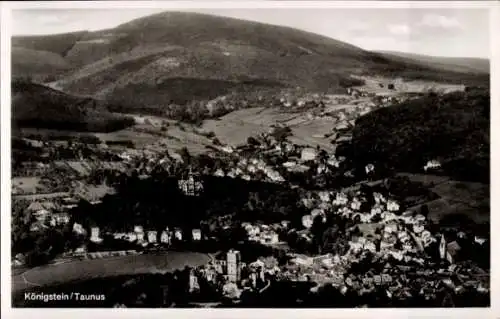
pixel 8 312
pixel 201 4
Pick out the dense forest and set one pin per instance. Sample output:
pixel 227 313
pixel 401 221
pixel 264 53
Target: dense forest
pixel 157 202
pixel 38 106
pixel 453 128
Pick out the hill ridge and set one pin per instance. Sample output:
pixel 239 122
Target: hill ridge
pixel 173 57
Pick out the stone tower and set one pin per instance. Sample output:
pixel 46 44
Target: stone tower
pixel 233 265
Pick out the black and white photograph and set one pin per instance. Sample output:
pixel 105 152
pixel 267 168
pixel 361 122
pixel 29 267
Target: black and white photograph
pixel 247 157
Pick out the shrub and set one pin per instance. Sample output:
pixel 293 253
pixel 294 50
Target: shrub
pixel 210 134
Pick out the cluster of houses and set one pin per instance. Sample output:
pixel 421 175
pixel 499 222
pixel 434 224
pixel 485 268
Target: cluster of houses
pixel 139 236
pixel 248 169
pixel 400 234
pixel 397 280
pixel 384 230
pixel 47 214
pixel 299 159
pixel 234 276
pixel 265 234
pixel 153 237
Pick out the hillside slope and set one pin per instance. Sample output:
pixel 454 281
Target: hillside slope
pixel 37 106
pixel 37 64
pixel 461 65
pixel 59 44
pixel 146 55
pixel 453 128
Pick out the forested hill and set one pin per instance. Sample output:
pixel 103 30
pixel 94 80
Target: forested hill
pixel 454 128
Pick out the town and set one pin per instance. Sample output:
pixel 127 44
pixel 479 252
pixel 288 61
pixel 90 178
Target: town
pixel 323 226
pixel 227 157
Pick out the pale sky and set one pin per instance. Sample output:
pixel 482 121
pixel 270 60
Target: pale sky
pixel 454 32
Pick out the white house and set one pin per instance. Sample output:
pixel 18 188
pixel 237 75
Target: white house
pixel 322 169
pixel 376 210
pixel 139 231
pixel 61 218
pixel 307 221
pixel 355 246
pixel 324 196
pixel 251 168
pixel 480 240
pixel 219 173
pixel 379 198
pixel 289 164
pixel 333 162
pixel 417 229
pixel 384 245
pixel 125 156
pixel 432 165
pixel 391 228
pixel 178 234
pixel 80 250
pixel 369 169
pixel 275 176
pixel 78 228
pixel 340 199
pixel 392 206
pixel 355 204
pixel 274 238
pixel 308 154
pixel 370 246
pixel 193 282
pixel 398 255
pixel 303 260
pixel 152 236
pixel 131 236
pixel 165 237
pixel 403 236
pixel 420 218
pixel 196 233
pixel 39 210
pixel 228 149
pixel 94 235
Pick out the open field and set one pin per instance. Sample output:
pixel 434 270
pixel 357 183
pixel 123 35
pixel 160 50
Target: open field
pixel 237 126
pixel 115 266
pixel 440 208
pixel 467 198
pixel 41 196
pixel 27 185
pixel 379 85
pixel 425 179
